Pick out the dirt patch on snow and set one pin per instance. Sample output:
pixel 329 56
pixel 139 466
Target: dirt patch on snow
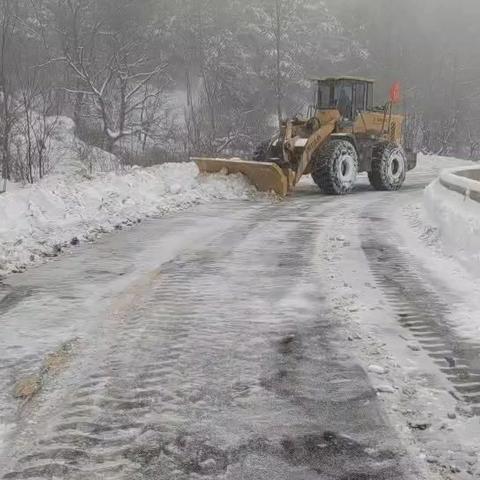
pixel 55 362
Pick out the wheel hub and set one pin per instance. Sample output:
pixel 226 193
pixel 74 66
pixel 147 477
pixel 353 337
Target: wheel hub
pixel 396 167
pixel 346 167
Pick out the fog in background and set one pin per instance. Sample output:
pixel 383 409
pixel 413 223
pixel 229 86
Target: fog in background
pixel 157 80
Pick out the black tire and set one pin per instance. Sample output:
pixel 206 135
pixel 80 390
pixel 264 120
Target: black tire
pixel 389 167
pixel 335 167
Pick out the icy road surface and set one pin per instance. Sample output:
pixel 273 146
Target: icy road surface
pixel 294 340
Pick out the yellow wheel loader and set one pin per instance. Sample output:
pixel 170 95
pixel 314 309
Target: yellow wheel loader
pixel 343 135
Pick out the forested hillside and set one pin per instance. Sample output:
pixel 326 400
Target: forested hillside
pixel 429 46
pixel 155 80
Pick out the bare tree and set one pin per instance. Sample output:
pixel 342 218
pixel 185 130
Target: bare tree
pixel 7 118
pixel 77 25
pixel 38 113
pixel 118 92
pixel 277 32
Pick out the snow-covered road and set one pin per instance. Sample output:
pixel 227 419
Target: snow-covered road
pixel 313 338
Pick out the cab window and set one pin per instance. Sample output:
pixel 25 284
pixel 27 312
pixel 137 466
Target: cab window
pixel 360 93
pixel 370 96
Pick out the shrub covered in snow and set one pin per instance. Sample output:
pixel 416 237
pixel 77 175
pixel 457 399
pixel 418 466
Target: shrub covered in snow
pixel 48 145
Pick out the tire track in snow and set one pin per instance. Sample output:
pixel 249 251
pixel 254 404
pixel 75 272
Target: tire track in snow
pixel 197 375
pixel 117 394
pixel 421 310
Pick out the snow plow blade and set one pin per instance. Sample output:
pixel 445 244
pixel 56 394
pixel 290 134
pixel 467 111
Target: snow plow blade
pixel 266 176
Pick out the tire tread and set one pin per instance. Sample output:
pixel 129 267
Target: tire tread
pixel 378 176
pixel 322 172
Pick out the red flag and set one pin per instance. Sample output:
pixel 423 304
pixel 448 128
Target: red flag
pixel 395 93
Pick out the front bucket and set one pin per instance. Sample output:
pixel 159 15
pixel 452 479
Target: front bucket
pixel 266 176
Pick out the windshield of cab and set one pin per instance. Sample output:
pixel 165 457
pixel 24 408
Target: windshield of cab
pixel 343 97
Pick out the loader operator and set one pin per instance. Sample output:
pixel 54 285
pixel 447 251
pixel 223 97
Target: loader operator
pixel 344 105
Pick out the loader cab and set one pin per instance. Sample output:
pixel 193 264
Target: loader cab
pixel 348 95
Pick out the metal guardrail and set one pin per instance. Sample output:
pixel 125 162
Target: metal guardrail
pixel 463 180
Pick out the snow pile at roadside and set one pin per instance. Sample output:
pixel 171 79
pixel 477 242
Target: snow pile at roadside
pixel 38 220
pixel 434 164
pixel 442 220
pixel 457 220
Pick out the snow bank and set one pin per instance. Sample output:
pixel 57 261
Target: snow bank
pixel 434 164
pixel 457 219
pixel 38 220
